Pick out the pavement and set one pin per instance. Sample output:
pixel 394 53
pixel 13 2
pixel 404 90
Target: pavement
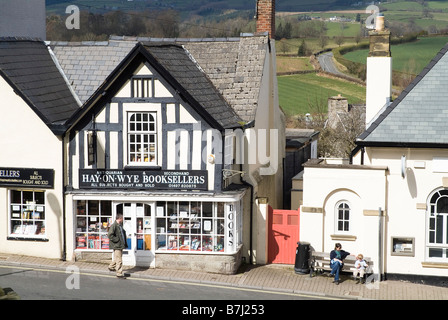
pixel 277 278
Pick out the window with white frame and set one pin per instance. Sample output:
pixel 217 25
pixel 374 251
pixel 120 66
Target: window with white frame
pixel 93 219
pixel 437 226
pixel 142 138
pixel 27 214
pixel 343 212
pixel 195 226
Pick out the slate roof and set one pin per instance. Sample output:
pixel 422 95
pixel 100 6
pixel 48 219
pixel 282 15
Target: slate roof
pixel 87 64
pixel 30 69
pixel 419 116
pixel 233 65
pixel 177 61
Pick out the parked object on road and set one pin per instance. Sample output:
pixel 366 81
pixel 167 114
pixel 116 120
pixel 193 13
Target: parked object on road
pixel 8 294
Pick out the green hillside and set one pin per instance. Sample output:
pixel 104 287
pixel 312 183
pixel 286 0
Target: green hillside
pixel 299 94
pixel 408 57
pixel 201 7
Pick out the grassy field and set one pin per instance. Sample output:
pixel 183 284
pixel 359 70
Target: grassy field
pixel 348 29
pixel 405 11
pixel 292 45
pixel 409 57
pixel 300 93
pixel 291 64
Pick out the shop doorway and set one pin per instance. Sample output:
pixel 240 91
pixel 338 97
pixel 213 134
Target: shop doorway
pixel 137 222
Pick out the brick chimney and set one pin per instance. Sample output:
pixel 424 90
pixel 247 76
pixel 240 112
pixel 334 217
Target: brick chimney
pixel 265 16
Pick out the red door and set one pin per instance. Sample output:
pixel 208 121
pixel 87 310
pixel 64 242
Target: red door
pixel 283 235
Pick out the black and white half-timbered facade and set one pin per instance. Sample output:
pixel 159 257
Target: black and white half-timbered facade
pixel 149 147
pixel 184 137
pixel 159 143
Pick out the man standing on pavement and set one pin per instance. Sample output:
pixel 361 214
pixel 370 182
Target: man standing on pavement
pixel 117 242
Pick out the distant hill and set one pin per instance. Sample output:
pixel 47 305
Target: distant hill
pixel 198 7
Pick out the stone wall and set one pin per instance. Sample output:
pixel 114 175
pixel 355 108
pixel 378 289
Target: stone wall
pixel 213 263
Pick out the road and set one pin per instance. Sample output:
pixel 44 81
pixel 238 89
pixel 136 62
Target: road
pixel 51 284
pixel 327 63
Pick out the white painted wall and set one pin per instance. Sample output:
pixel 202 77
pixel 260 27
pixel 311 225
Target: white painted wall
pixel 267 180
pixel 378 85
pixel 28 143
pixel 404 198
pixel 323 188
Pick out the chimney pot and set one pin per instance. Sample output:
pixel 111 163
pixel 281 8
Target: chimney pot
pixel 379 22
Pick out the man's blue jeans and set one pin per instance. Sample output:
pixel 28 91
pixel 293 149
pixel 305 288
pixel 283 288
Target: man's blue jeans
pixel 336 267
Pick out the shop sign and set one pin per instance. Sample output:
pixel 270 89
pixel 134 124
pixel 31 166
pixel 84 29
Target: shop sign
pixel 230 227
pixel 27 177
pixel 143 180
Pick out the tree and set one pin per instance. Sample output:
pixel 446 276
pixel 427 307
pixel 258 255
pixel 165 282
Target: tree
pixel 323 41
pixel 279 32
pixel 303 50
pixel 165 24
pixel 287 31
pixel 427 14
pixel 283 46
pixel 136 26
pixel 357 37
pixel 339 40
pixel 334 141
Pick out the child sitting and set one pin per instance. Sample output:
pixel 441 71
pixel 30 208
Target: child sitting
pixel 360 267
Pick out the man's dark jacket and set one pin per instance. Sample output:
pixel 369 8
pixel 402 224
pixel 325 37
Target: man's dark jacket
pixel 116 240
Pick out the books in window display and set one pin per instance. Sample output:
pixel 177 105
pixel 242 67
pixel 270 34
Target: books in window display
pixel 94 242
pixel 26 215
pixel 25 229
pixel 18 229
pixel 81 242
pixel 104 242
pixel 172 243
pixel 30 229
pixel 186 244
pixel 195 244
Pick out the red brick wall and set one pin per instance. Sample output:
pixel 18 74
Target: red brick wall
pixel 266 17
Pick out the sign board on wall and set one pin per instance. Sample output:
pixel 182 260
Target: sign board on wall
pixel 143 180
pixel 27 177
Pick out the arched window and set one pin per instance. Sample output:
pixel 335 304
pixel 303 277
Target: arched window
pixel 342 217
pixel 437 226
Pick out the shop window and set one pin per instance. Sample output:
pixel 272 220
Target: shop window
pixel 342 217
pixel 27 214
pixel 437 227
pixel 93 219
pixel 142 138
pixel 195 226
